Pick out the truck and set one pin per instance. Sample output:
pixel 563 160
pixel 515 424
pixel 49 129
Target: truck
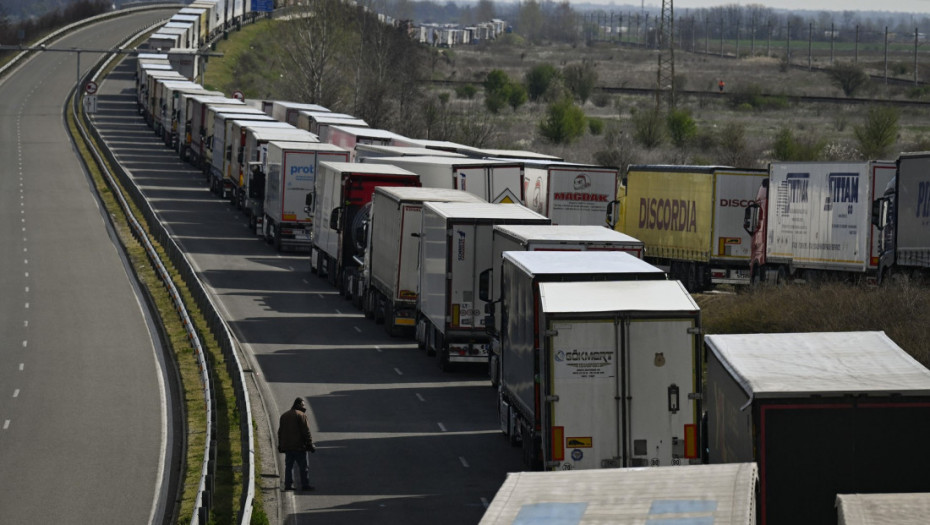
pixel 570 193
pixel 598 351
pixel 284 111
pixel 308 120
pixel 248 159
pixel 455 247
pixel 364 152
pixel 874 509
pixel 235 145
pixel 821 413
pixel 493 181
pixel 692 495
pixel 820 226
pixel 902 214
pixel 218 149
pixel 690 219
pixel 341 200
pixel 195 118
pixel 165 92
pixel 389 278
pixel 348 136
pixel 285 187
pixel 520 237
pixel 215 120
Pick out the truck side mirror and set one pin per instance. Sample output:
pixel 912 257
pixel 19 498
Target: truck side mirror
pixel 751 218
pixel 484 285
pixel 335 219
pixel 308 204
pixel 612 215
pixel 880 213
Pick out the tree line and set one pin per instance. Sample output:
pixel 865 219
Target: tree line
pixel 19 30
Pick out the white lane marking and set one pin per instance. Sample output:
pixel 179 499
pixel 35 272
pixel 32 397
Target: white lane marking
pixel 25 343
pixel 319 295
pixel 464 463
pixel 27 306
pixel 22 366
pixel 16 393
pixel 305 281
pixel 25 324
pixel 27 289
pixel 398 371
pixel 378 348
pixel 484 502
pixel 442 427
pixel 6 424
pixel 420 397
pixel 338 311
pixel 357 329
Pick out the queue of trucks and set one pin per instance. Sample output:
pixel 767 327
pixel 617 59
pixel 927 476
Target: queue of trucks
pixel 572 284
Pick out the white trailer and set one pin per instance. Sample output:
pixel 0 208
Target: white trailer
pixel 570 193
pixel 690 495
pixel 882 509
pixel 455 248
pixel 819 219
pixel 215 121
pixel 599 374
pixel 348 136
pixel 250 160
pixel 389 280
pixel 285 187
pixel 493 181
pixel 195 115
pixel 372 152
pixel 323 126
pixel 283 111
pixel 221 148
pixel 307 119
pixel 342 202
pixel 236 143
pixel 164 102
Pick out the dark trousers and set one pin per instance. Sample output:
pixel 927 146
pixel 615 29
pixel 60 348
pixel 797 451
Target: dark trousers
pixel 299 457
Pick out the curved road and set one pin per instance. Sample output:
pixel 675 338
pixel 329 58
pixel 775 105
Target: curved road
pixel 83 423
pixel 399 442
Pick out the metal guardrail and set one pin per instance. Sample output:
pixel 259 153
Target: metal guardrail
pixel 217 324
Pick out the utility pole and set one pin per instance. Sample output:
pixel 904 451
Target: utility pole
pixel 665 43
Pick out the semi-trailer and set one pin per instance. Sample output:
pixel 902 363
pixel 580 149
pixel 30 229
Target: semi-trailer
pixel 285 187
pixel 214 121
pixel 284 111
pixel 348 136
pixel 455 247
pixel 822 414
pixel 342 193
pixel 903 214
pixel 387 288
pixel 493 181
pixel 879 509
pixel 249 159
pixel 599 372
pixel 813 221
pixel 218 147
pixel 570 193
pixel 195 115
pixel 690 219
pixel 235 146
pixel 689 495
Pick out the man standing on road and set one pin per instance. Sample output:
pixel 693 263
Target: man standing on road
pixel 294 441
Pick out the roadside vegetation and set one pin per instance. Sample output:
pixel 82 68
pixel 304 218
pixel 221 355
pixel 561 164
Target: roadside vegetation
pixel 228 482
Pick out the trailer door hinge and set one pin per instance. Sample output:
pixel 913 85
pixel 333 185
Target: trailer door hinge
pixel 695 331
pixel 695 395
pixel 551 333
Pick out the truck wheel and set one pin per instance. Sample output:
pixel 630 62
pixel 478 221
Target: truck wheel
pixel 276 238
pixel 430 340
pixel 368 304
pixel 419 333
pixel 320 260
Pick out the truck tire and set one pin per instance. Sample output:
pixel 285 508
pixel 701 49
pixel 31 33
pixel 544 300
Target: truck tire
pixel 368 304
pixel 275 238
pixel 320 268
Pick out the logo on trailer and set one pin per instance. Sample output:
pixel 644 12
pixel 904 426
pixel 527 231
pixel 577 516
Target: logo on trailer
pixel 668 214
pixel 461 245
pixel 581 182
pixel 844 188
pixel 795 190
pixel 923 200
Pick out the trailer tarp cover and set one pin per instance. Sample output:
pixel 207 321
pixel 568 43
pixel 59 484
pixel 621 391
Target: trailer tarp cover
pixel 882 509
pixel 719 494
pixel 822 363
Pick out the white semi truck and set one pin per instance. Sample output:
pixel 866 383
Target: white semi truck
pixel 903 214
pixel 455 248
pixel 598 374
pixel 388 284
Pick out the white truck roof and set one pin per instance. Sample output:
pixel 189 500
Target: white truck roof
pixel 719 494
pixel 512 154
pixel 560 232
pixel 367 132
pixel 615 296
pixel 412 193
pixel 574 262
pixel 354 167
pixel 406 151
pixel 448 161
pixel 305 146
pixel 882 509
pixel 482 210
pixel 823 363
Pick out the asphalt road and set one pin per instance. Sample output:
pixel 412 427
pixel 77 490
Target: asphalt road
pixel 399 441
pixel 83 419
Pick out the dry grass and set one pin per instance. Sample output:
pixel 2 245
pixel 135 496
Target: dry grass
pixel 899 309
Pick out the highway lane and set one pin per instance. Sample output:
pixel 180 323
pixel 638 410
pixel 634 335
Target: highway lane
pixel 399 441
pixel 83 423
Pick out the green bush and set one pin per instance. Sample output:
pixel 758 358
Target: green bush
pixel 580 79
pixel 466 91
pixel 848 76
pixel 538 79
pixel 878 133
pixel 788 148
pixel 564 122
pixel 596 126
pixel 681 127
pixel 601 99
pixel 647 128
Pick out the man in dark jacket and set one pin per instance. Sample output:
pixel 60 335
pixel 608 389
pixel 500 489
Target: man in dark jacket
pixel 294 440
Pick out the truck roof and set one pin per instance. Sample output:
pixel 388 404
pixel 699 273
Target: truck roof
pixel 564 232
pixel 290 145
pixel 418 194
pixel 517 154
pixel 242 114
pixel 722 494
pixel 298 105
pixel 376 169
pixel 406 151
pixel 449 161
pixel 545 262
pixel 875 509
pixel 821 363
pixel 482 210
pixel 689 169
pixel 368 132
pixel 615 296
pixel 293 134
